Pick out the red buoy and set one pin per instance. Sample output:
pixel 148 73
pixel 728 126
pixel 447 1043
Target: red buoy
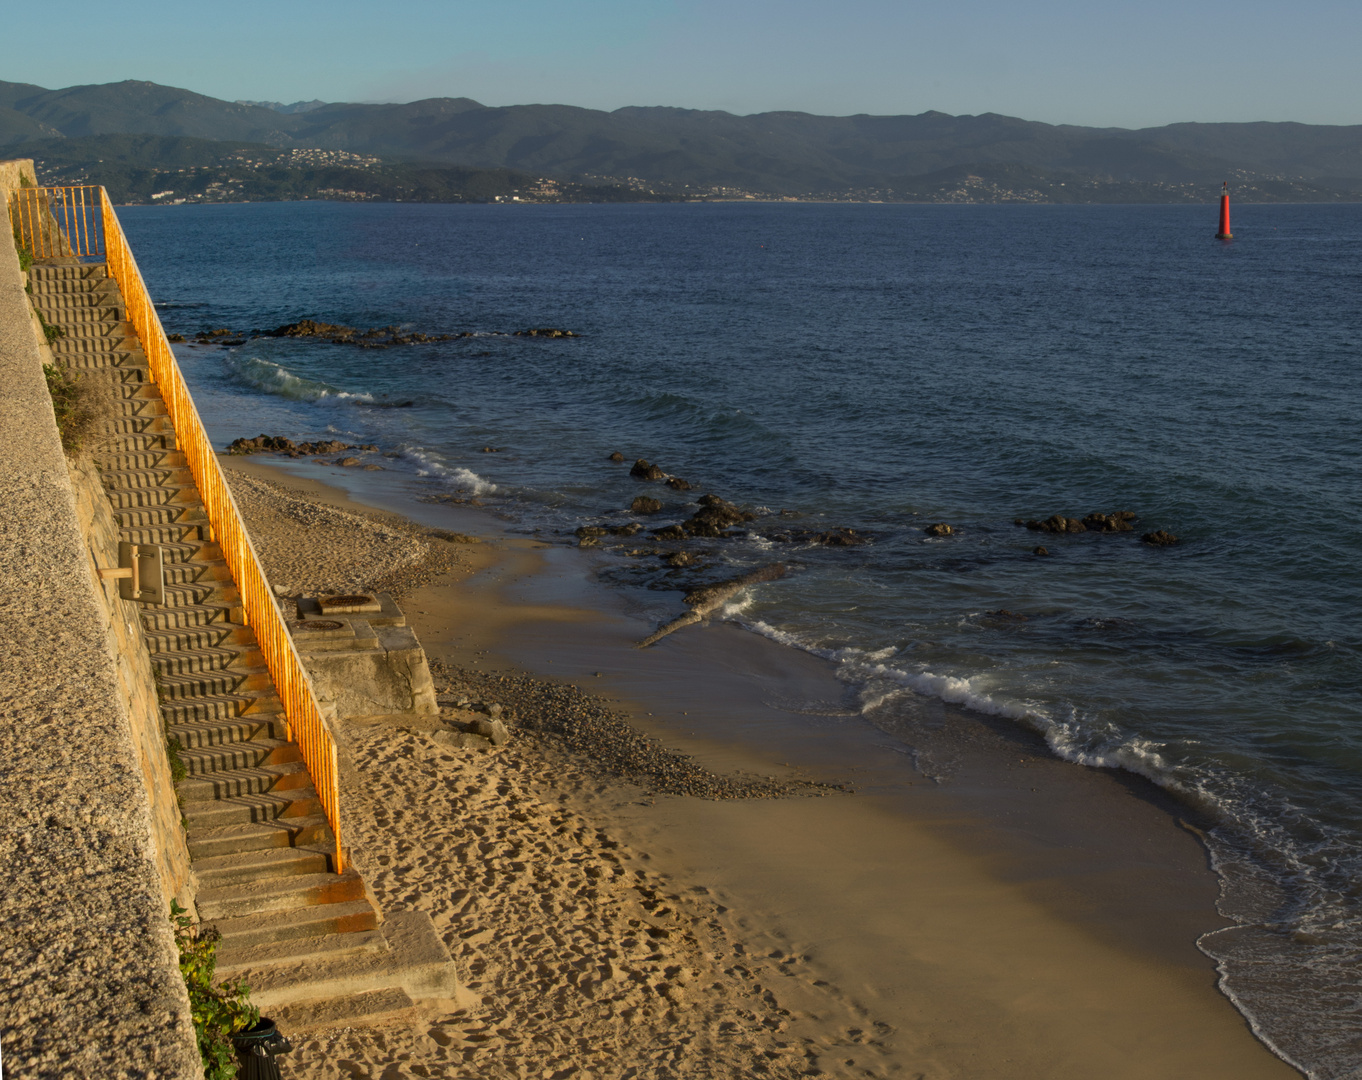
pixel 1224 233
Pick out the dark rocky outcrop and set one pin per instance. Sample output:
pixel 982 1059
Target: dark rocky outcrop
pixel 1040 551
pixel 1159 538
pixel 840 537
pixel 677 484
pixel 616 456
pixel 645 470
pixel 1110 523
pixel 715 517
pixel 645 505
pixel 939 529
pixel 681 558
pixel 1057 524
pixel 279 444
pixel 379 337
pixel 1119 521
pixel 632 529
pixel 670 532
pixel 546 332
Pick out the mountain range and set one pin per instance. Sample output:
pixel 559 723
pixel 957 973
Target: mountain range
pixel 687 151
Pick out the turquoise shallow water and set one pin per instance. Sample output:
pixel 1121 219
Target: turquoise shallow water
pixel 883 368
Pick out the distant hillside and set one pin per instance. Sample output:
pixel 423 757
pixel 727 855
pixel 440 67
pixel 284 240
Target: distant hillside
pixel 175 169
pixel 717 153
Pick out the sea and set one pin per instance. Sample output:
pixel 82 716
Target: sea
pixel 884 368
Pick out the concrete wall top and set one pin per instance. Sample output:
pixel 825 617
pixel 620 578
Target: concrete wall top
pixel 89 979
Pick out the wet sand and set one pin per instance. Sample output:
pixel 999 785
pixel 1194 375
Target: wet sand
pixel 1024 918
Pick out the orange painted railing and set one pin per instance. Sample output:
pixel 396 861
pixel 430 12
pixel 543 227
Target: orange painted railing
pixel 56 223
pixel 305 722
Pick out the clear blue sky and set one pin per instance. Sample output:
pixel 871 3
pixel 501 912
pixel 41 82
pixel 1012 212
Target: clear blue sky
pixel 1063 61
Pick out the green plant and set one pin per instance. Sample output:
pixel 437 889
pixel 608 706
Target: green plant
pixel 218 1011
pixel 79 405
pixel 25 261
pixel 177 769
pixel 52 333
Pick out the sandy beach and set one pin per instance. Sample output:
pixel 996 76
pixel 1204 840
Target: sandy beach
pixel 818 907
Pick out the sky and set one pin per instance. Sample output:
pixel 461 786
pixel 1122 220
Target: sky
pixel 1061 61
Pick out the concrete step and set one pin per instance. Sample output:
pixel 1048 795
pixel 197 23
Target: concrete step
pixel 278 895
pixel 172 476
pixel 188 533
pixel 212 683
pixel 258 836
pixel 73 318
pixel 160 514
pixel 203 760
pixel 191 593
pixel 131 440
pixel 335 952
pixel 165 618
pixel 83 360
pixel 191 661
pixel 200 570
pixel 70 294
pixel 214 635
pixel 305 922
pixel 238 729
pixel 158 426
pixel 121 497
pixel 141 407
pixel 105 345
pixel 348 1010
pixel 264 865
pixel 103 332
pixel 247 809
pixel 411 956
pixel 216 707
pixel 151 458
pixel 48 273
pixel 234 783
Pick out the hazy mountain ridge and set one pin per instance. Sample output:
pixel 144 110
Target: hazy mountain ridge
pixel 780 153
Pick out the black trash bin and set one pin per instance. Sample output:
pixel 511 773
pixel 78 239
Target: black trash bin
pixel 256 1049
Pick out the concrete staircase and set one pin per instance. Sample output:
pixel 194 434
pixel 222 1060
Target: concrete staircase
pixel 260 846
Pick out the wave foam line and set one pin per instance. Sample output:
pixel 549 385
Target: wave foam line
pixel 272 378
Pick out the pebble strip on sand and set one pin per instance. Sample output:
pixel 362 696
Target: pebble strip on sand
pixel 586 726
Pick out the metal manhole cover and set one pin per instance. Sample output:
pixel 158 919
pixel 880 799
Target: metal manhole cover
pixel 320 624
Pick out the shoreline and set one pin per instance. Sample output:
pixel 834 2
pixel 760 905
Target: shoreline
pixel 1029 918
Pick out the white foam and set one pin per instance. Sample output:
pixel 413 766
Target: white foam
pixel 276 379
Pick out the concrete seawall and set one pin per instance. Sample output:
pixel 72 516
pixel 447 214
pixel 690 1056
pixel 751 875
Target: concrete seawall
pixel 89 984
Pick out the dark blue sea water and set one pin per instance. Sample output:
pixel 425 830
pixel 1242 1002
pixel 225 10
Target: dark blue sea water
pixel 883 368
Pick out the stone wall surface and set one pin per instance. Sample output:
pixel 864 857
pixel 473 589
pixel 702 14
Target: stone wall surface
pixel 89 980
pixel 137 687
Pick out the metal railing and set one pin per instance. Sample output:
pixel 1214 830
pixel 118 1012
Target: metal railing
pixel 58 222
pixel 42 219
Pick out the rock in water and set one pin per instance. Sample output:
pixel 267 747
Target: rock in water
pixel 703 601
pixel 939 529
pixel 646 471
pixel 616 456
pixel 645 505
pixel 1159 538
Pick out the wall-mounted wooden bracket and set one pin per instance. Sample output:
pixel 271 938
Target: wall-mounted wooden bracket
pixel 140 573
